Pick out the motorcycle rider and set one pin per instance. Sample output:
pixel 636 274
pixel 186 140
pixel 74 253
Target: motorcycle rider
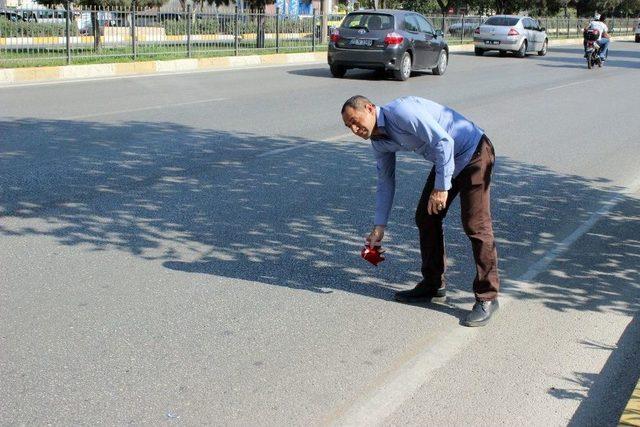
pixel 598 24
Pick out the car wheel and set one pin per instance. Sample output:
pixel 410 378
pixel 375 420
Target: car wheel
pixel 441 67
pixel 338 71
pixel 637 38
pixel 522 52
pixel 478 51
pixel 545 46
pixel 404 72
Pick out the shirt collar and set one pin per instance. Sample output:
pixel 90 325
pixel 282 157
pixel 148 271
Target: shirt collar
pixel 380 122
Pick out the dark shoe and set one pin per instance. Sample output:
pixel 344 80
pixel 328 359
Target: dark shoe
pixel 422 293
pixel 481 313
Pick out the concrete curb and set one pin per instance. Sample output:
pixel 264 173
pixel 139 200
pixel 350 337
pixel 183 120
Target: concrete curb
pixel 631 414
pixel 10 76
pixel 77 72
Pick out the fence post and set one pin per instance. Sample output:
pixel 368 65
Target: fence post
pixel 235 33
pixel 277 30
pixel 557 27
pixel 188 31
pixel 134 41
pixel 568 29
pixel 462 30
pixel 68 31
pixel 313 32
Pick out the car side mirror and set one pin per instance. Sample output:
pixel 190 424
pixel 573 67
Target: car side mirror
pixel 542 29
pixel 439 33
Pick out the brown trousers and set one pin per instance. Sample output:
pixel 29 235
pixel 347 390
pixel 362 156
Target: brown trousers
pixel 473 186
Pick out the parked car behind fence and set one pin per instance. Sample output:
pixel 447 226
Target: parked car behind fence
pixel 11 15
pixel 467 28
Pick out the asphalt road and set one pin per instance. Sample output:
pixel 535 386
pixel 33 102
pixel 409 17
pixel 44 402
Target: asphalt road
pixel 185 248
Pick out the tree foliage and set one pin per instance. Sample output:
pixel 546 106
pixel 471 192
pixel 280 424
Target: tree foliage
pixel 532 7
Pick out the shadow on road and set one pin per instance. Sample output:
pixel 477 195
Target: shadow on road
pixel 220 203
pixel 603 396
pixel 353 74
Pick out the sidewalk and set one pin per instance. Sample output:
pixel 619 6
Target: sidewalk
pixel 10 76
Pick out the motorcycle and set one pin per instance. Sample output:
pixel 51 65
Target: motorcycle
pixel 592 48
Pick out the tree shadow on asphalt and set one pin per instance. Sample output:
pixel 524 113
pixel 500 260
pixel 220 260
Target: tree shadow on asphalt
pixel 219 203
pixel 603 396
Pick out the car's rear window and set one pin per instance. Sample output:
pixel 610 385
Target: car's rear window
pixel 369 21
pixel 501 21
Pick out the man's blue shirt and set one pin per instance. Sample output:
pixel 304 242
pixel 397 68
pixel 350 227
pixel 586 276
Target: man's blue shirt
pixel 439 134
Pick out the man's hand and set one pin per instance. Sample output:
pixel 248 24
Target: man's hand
pixel 375 237
pixel 437 202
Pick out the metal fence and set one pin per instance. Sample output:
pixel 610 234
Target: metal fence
pixel 461 28
pixel 84 35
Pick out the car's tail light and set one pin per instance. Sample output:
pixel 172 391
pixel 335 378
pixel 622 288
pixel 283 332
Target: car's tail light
pixel 513 32
pixel 393 38
pixel 477 30
pixel 335 36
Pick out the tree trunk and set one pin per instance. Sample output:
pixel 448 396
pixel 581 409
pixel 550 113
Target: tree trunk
pixel 95 25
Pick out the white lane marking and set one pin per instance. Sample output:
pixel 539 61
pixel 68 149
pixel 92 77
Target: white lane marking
pixel 569 84
pixel 295 147
pixel 542 264
pixel 135 110
pixel 168 73
pixel 398 385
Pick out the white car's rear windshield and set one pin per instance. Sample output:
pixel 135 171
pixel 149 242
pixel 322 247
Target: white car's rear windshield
pixel 501 21
pixel 369 21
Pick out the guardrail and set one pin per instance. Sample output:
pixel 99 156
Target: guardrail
pixel 82 35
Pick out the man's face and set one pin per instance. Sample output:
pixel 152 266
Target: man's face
pixel 362 121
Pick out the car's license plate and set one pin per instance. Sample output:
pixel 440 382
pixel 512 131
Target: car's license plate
pixel 361 42
pixel 491 42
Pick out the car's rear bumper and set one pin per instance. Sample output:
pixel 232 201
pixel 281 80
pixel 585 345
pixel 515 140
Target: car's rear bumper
pixel 504 44
pixel 389 59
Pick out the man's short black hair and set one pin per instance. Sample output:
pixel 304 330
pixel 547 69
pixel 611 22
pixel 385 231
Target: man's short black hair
pixel 602 17
pixel 356 102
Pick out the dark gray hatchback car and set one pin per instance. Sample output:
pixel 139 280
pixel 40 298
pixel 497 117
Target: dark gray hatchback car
pixel 387 40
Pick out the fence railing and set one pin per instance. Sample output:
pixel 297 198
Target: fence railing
pixel 84 35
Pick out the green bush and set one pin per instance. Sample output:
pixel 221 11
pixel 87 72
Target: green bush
pixel 34 29
pixel 198 26
pixel 289 25
pixel 246 26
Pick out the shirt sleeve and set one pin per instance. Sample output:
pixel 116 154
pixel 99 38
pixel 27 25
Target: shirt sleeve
pixel 420 123
pixel 386 188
